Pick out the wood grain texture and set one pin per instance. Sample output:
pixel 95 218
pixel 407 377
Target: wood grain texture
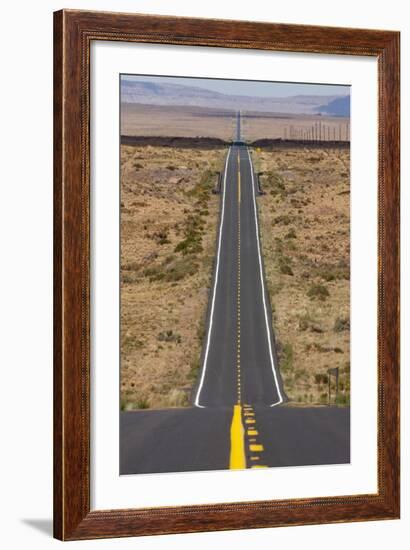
pixel 57 302
pixel 73 33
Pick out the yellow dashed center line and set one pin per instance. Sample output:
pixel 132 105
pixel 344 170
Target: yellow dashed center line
pixel 237 457
pixel 238 320
pixel 255 449
pixel 239 438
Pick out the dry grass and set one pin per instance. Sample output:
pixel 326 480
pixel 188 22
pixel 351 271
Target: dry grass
pixel 168 231
pixel 304 219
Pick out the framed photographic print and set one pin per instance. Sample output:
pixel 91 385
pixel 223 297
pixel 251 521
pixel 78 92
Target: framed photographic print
pixel 226 217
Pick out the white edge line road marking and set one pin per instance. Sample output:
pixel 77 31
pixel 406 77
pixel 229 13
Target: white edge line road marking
pixel 275 375
pixel 215 286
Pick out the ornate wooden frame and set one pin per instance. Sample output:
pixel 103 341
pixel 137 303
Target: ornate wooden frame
pixel 73 33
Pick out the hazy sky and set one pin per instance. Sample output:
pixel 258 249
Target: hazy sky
pixel 248 87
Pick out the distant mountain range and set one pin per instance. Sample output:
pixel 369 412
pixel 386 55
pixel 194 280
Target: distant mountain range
pixel 337 107
pixel 152 93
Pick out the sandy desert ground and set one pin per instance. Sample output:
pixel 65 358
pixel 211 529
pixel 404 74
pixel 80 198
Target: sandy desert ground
pixel 156 120
pixel 168 232
pixel 304 224
pixel 257 126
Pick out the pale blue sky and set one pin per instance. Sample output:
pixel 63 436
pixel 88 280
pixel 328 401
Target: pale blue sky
pixel 248 87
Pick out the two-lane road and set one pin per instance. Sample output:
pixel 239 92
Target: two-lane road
pixel 236 420
pixel 239 360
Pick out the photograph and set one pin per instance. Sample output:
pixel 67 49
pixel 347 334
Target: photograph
pixel 226 287
pixel 234 274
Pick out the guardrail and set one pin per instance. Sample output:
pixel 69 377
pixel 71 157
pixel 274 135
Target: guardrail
pixel 259 184
pixel 217 189
pixel 335 372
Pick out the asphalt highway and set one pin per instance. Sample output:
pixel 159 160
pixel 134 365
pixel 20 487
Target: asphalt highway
pixel 239 360
pixel 193 439
pixel 238 418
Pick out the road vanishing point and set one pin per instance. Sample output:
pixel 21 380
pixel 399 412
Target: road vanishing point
pixel 236 420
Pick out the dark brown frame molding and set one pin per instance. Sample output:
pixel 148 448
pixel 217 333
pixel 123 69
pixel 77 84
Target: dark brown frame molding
pixel 73 33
